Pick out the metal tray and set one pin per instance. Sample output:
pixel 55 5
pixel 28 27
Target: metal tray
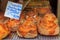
pixel 15 37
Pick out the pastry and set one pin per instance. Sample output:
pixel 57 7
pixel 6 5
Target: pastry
pixel 49 25
pixel 12 24
pixel 4 31
pixel 27 28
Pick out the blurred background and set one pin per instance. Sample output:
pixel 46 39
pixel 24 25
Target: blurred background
pixel 53 3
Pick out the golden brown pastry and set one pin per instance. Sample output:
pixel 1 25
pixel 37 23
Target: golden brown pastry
pixel 48 25
pixel 4 31
pixel 13 24
pixel 34 14
pixel 27 28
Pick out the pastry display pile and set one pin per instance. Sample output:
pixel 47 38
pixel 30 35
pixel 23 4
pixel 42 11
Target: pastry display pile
pixel 33 22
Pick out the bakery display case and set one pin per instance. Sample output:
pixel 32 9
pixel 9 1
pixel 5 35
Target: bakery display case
pixel 38 21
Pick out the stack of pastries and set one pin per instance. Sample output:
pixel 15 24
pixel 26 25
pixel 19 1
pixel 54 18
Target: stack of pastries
pixel 27 27
pixel 36 20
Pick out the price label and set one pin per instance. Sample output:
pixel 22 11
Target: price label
pixel 13 10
